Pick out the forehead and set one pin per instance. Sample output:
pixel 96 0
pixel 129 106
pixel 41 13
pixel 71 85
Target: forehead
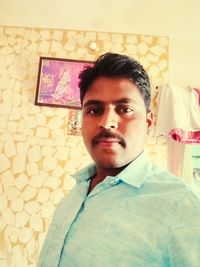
pixel 113 89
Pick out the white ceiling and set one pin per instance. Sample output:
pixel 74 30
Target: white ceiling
pixel 160 17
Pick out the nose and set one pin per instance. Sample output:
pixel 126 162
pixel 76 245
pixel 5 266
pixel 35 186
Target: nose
pixel 108 120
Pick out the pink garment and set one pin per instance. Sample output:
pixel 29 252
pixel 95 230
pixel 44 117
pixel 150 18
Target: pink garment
pixel 198 92
pixel 179 160
pixel 186 137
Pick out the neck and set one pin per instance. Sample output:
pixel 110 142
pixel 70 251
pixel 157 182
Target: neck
pixel 102 172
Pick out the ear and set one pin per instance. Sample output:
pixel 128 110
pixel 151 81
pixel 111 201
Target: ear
pixel 149 119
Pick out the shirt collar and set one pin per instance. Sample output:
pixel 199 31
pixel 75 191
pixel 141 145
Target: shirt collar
pixel 85 173
pixel 134 174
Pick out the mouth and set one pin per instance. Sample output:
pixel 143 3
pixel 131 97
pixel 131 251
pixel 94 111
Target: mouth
pixel 107 142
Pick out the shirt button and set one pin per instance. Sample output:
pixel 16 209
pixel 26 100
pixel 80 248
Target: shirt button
pixel 114 182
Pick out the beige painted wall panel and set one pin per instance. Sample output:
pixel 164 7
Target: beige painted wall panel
pixel 37 153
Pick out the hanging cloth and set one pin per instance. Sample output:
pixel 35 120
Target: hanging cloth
pixel 179 160
pixel 178 113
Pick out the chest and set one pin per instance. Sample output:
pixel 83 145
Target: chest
pixel 118 228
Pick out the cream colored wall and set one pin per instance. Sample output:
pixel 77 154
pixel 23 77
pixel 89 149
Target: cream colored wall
pixel 36 155
pixel 184 61
pixel 179 20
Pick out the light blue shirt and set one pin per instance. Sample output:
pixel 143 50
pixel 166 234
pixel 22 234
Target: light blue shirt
pixel 143 217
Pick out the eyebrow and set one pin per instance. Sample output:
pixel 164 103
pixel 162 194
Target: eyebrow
pixel 93 102
pixel 124 100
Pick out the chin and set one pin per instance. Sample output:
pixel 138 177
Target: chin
pixel 110 164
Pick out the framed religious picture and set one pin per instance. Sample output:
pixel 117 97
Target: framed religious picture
pixel 57 83
pixel 74 122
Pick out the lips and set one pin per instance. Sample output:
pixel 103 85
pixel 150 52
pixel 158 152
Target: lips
pixel 107 140
pixel 106 143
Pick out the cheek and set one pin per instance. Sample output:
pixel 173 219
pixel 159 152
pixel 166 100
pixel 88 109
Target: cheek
pixel 84 131
pixel 87 132
pixel 134 129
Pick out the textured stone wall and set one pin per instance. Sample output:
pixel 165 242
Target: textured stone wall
pixel 37 155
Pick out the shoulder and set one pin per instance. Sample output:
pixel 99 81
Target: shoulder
pixel 175 191
pixel 168 180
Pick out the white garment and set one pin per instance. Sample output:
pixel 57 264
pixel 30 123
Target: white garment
pixel 178 108
pixel 179 114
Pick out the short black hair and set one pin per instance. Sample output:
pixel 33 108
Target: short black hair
pixel 113 65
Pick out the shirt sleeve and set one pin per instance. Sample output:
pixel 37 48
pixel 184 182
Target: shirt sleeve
pixel 184 235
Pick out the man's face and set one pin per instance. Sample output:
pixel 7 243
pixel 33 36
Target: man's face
pixel 115 122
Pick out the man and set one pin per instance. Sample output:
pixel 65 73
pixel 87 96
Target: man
pixel 123 211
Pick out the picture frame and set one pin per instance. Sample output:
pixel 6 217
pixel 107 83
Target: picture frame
pixel 74 123
pixel 57 82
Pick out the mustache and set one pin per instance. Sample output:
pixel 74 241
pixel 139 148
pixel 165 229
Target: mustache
pixel 104 134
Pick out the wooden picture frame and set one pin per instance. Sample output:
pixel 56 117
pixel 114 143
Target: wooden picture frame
pixel 57 82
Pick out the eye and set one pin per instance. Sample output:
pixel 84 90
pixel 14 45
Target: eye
pixel 125 110
pixel 95 111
